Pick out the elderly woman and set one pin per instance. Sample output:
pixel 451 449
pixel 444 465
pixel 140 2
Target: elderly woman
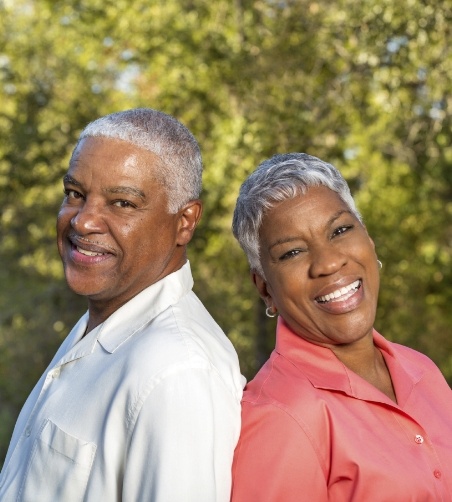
pixel 338 413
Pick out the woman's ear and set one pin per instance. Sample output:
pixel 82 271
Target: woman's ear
pixel 368 235
pixel 189 217
pixel 261 286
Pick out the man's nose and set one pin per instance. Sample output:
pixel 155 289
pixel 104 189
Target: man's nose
pixel 89 218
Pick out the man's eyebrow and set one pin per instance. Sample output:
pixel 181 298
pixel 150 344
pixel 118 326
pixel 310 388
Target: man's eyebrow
pixel 126 190
pixel 136 192
pixel 71 181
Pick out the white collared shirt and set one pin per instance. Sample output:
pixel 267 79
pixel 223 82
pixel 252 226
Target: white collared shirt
pixel 145 407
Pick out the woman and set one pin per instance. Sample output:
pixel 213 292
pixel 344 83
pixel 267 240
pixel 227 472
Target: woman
pixel 337 413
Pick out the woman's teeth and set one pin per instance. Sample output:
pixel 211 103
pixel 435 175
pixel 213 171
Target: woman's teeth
pixel 340 294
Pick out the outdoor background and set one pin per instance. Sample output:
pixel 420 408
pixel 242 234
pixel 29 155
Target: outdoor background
pixel 364 84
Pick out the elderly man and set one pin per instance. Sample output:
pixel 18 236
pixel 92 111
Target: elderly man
pixel 142 400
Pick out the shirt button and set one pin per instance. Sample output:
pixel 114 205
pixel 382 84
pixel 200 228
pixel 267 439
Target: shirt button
pixel 55 373
pixel 418 439
pixel 437 474
pixel 28 432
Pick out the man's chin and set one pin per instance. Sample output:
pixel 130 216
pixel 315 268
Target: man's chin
pixel 86 290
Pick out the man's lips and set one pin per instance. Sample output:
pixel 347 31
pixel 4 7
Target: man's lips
pixel 340 294
pixel 88 248
pixel 87 252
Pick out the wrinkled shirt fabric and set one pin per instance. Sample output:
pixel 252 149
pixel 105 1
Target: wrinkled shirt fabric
pixel 314 431
pixel 145 407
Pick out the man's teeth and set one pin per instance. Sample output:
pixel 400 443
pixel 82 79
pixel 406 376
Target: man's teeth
pixel 88 253
pixel 339 294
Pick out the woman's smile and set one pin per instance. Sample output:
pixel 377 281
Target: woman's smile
pixel 343 300
pixel 320 267
pixel 340 295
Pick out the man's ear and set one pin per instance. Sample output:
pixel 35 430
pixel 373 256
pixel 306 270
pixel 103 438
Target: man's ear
pixel 189 217
pixel 261 286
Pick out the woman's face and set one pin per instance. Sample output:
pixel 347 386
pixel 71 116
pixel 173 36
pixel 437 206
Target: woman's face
pixel 320 267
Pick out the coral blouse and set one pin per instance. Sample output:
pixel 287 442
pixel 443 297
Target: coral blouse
pixel 314 431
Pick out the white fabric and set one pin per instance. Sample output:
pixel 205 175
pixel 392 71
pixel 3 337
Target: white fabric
pixel 146 407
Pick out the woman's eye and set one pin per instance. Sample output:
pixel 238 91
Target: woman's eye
pixel 290 254
pixel 342 230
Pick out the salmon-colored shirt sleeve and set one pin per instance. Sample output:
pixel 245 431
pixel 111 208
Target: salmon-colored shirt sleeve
pixel 275 459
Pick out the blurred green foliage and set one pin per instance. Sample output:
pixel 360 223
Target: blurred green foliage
pixel 363 84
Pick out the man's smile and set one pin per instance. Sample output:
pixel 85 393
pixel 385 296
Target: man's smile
pixel 88 253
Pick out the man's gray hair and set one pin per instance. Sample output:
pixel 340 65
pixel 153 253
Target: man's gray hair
pixel 180 162
pixel 281 177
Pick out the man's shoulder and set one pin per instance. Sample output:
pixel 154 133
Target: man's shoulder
pixel 183 338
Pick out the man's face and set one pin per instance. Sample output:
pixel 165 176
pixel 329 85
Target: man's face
pixel 115 235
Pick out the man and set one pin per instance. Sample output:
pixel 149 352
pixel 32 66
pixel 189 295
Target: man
pixel 142 400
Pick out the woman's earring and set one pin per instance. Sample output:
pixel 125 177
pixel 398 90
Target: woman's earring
pixel 380 265
pixel 269 313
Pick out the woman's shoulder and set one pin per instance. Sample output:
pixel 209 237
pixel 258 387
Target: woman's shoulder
pixel 413 356
pixel 278 388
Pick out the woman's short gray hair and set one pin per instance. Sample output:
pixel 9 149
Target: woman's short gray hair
pixel 282 177
pixel 178 151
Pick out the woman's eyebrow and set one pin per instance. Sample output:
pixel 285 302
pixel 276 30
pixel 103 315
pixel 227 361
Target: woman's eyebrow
pixel 285 240
pixel 338 215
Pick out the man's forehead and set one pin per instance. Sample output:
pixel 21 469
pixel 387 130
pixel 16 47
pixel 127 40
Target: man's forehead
pixel 90 145
pixel 94 150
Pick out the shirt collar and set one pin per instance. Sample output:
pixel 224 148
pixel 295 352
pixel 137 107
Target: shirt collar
pixel 404 372
pixel 325 371
pixel 144 307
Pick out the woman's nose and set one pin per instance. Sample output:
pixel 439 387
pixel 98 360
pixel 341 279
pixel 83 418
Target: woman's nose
pixel 327 261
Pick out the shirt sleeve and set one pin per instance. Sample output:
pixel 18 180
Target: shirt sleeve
pixel 275 459
pixel 183 441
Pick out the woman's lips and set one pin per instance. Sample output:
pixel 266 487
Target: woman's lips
pixel 340 294
pixel 342 300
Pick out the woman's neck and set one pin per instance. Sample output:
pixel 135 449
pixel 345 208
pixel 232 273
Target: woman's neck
pixel 367 361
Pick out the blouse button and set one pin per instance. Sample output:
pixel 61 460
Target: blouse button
pixel 418 439
pixel 437 474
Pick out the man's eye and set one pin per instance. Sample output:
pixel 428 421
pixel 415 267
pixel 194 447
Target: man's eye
pixel 123 203
pixel 72 194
